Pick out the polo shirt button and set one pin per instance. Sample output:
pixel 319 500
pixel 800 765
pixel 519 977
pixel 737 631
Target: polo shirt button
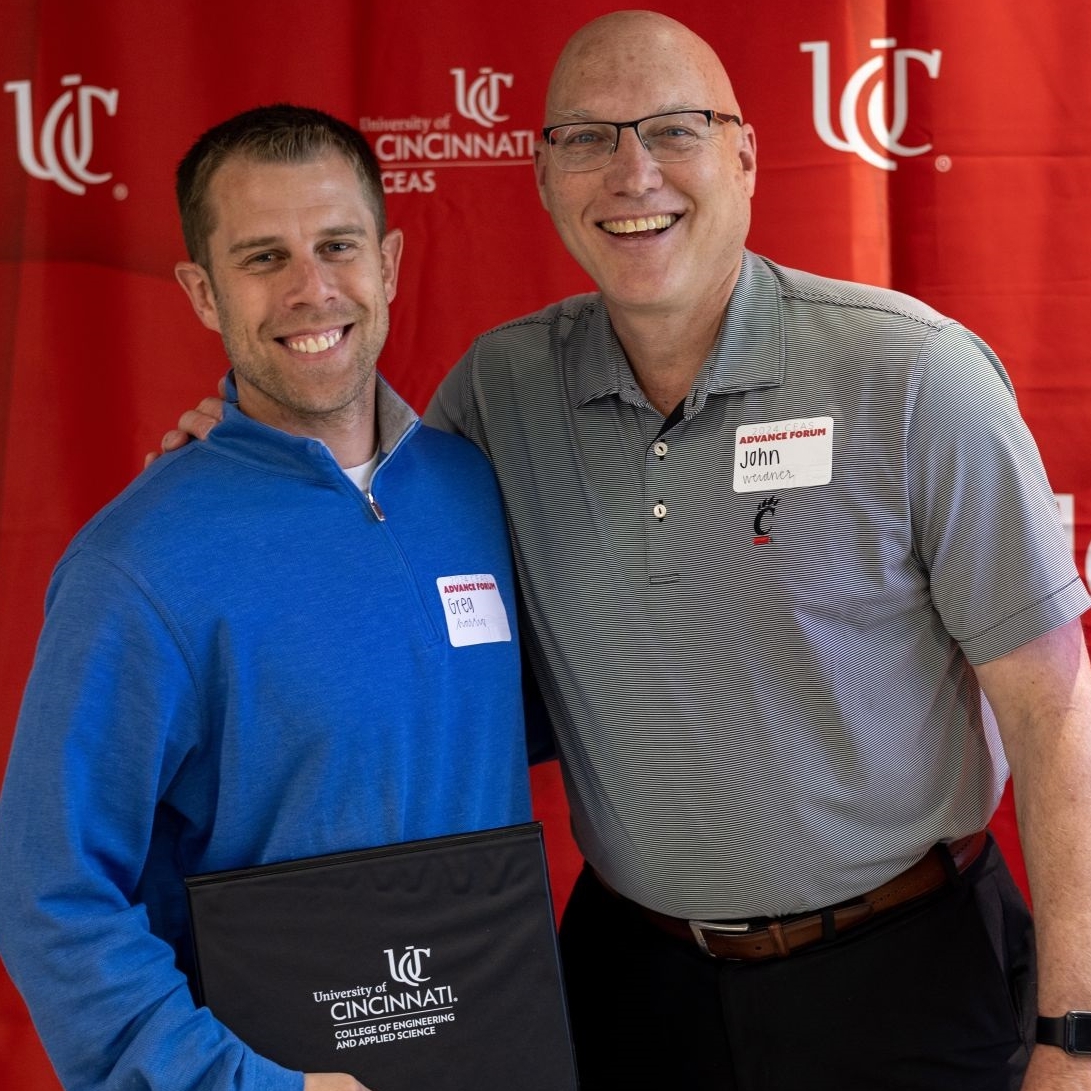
pixel 660 448
pixel 659 511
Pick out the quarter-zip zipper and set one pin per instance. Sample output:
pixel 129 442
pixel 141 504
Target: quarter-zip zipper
pixel 374 505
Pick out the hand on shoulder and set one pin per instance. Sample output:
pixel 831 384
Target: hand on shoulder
pixel 192 424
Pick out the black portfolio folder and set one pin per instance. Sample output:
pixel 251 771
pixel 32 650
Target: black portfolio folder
pixel 426 964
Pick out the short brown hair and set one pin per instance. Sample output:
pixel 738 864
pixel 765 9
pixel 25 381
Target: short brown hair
pixel 281 133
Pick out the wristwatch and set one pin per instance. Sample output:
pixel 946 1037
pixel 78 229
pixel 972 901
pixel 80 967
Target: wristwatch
pixel 1070 1032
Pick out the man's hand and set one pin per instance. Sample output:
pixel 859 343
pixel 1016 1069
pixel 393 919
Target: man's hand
pixel 331 1081
pixel 192 424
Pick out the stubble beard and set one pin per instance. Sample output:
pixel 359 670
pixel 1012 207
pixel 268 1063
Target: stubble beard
pixel 308 398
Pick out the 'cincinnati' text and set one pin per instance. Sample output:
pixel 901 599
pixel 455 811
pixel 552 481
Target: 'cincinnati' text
pixel 368 1007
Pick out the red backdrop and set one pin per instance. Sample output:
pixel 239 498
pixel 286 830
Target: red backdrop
pixel 939 148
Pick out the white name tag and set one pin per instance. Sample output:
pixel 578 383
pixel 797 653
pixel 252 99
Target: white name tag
pixel 784 454
pixel 474 610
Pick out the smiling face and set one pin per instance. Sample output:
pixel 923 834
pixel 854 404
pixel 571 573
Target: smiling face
pixel 653 236
pixel 298 285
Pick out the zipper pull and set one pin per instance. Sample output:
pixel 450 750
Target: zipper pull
pixel 374 505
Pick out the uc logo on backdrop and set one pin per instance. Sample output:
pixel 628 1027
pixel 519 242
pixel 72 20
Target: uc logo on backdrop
pixel 413 148
pixel 66 140
pixel 883 141
pixel 481 99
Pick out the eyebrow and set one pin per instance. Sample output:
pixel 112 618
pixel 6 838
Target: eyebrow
pixel 259 242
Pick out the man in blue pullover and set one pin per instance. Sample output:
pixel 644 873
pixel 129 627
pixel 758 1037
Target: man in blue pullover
pixel 286 680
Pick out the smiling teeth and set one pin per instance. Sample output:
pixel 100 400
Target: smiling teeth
pixel 641 223
pixel 314 343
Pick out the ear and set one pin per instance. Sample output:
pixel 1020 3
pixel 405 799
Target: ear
pixel 197 284
pixel 390 253
pixel 748 156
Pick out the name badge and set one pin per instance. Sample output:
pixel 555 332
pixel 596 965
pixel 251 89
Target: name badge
pixel 784 454
pixel 474 610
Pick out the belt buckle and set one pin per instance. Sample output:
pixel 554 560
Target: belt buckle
pixel 724 928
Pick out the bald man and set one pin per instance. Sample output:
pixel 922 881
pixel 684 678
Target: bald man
pixel 745 532
pixel 778 539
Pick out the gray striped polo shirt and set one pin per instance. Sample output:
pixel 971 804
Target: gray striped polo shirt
pixel 752 623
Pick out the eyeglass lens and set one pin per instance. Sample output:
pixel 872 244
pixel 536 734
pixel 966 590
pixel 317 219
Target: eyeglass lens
pixel 668 138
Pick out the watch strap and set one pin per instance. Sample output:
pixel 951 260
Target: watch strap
pixel 1051 1031
pixel 1070 1032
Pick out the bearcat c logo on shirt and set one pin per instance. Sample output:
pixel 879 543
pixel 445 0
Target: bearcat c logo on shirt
pixel 885 134
pixel 764 519
pixel 65 141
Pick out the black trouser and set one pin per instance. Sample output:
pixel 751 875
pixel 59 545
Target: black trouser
pixel 937 994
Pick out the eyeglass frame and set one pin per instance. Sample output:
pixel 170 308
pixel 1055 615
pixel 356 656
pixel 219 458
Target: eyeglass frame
pixel 709 116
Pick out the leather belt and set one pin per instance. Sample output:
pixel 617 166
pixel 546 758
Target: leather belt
pixel 765 938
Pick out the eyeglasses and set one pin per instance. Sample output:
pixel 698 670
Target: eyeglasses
pixel 669 138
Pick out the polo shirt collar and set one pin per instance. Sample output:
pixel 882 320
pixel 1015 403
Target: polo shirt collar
pixel 748 354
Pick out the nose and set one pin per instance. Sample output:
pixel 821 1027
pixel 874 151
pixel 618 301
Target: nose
pixel 631 168
pixel 309 282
